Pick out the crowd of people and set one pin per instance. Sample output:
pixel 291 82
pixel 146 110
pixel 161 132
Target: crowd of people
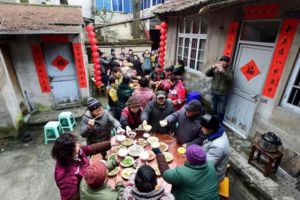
pixel 145 93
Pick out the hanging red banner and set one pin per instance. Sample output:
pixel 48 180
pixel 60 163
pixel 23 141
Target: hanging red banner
pixel 284 43
pixel 40 67
pixel 231 38
pixel 54 38
pixel 79 62
pixel 262 11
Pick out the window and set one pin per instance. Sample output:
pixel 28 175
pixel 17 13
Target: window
pixel 291 99
pixel 115 5
pixel 149 3
pixel 191 41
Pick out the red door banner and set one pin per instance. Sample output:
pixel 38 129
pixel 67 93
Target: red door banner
pixel 77 51
pixel 262 11
pixel 231 38
pixel 250 70
pixel 54 38
pixel 284 42
pixel 40 67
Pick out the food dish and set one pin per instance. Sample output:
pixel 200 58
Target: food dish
pixel 152 139
pixel 163 147
pixel 151 155
pixel 181 150
pixel 144 155
pixel 135 150
pixel 120 138
pixel 126 173
pixel 127 142
pixel 127 161
pixel 112 156
pixel 147 128
pixel 141 142
pixel 123 152
pixel 146 135
pixel 169 157
pixel 114 172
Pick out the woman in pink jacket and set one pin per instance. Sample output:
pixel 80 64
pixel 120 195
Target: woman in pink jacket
pixel 72 162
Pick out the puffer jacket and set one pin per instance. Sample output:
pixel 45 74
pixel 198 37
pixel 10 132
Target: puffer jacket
pixel 101 129
pixel 217 149
pixel 221 82
pixel 68 177
pixel 124 91
pixel 177 95
pixel 133 120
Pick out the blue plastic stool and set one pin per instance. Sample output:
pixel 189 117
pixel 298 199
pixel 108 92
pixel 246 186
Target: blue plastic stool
pixel 67 120
pixel 193 95
pixel 52 130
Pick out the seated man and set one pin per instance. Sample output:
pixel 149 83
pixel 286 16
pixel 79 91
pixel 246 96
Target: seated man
pixel 158 74
pixel 131 114
pixel 157 110
pixel 188 119
pixel 196 179
pixel 97 123
pixel 216 145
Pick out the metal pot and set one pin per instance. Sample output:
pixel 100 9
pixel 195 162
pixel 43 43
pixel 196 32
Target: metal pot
pixel 270 142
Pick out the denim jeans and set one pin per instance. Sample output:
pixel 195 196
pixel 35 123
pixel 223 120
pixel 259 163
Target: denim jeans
pixel 219 103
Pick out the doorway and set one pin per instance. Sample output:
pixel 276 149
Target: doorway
pixel 155 38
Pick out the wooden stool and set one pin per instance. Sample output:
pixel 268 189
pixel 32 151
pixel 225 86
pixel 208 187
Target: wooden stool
pixel 270 166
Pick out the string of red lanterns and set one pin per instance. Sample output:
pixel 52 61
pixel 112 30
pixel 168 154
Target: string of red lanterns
pixel 162 43
pixel 95 55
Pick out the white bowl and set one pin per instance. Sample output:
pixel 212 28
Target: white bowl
pixel 144 155
pixel 146 135
pixel 123 152
pixel 120 138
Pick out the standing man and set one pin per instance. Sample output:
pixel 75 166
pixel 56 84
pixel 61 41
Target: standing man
pixel 222 76
pixel 97 123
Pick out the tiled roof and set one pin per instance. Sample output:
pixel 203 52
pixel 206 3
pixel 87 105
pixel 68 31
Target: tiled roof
pixel 22 18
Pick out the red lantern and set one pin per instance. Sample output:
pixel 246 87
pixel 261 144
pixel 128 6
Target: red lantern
pixel 94 48
pixel 97 72
pixel 95 60
pixel 91 34
pixel 161 55
pixel 162 50
pixel 93 41
pixel 163 31
pixel 161 60
pixel 97 67
pixel 98 78
pixel 162 38
pixel 162 44
pixel 89 28
pixel 164 25
pixel 95 54
pixel 98 83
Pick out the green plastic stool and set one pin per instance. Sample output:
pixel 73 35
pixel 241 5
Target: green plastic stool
pixel 52 130
pixel 67 120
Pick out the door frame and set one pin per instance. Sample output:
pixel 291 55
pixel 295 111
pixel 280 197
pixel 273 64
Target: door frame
pixel 236 54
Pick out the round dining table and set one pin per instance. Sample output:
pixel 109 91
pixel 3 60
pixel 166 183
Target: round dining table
pixel 178 160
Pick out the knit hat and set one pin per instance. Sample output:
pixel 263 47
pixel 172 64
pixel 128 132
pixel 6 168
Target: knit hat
pixel 195 154
pixel 225 58
pixel 133 102
pixel 194 106
pixel 210 122
pixel 95 175
pixel 93 104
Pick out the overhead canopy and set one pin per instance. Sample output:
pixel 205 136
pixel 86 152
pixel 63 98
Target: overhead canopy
pixel 32 19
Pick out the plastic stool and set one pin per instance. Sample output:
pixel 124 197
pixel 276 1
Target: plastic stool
pixel 193 95
pixel 67 120
pixel 52 130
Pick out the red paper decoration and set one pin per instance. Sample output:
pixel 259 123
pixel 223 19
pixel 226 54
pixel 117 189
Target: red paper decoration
pixel 40 67
pixel 77 51
pixel 262 11
pixel 60 62
pixel 162 43
pixel 231 37
pixel 250 70
pixel 284 42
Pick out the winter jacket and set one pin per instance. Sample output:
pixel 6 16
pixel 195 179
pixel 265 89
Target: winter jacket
pixel 68 178
pixel 144 95
pixel 133 120
pixel 101 129
pixel 177 95
pixel 112 95
pixel 124 91
pixel 221 82
pixel 189 181
pixel 154 112
pixel 157 76
pixel 188 130
pixel 104 65
pixel 132 193
pixel 104 192
pixel 217 149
